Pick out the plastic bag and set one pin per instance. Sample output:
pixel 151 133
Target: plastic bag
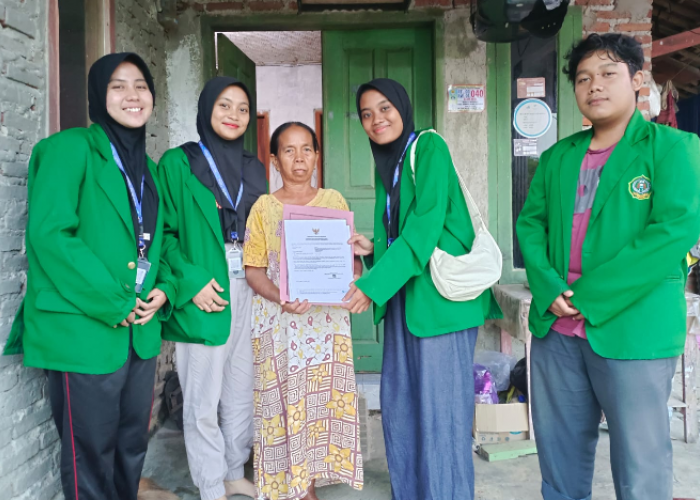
pixel 500 365
pixel 518 377
pixel 484 388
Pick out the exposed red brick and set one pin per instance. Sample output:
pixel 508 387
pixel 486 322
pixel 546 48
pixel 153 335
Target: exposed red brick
pixel 600 28
pixel 292 6
pixel 612 14
pixel 265 6
pixel 433 3
pixel 643 106
pixel 219 6
pixel 643 38
pixel 647 66
pixel 459 3
pixel 633 27
pixel 587 122
pixel 183 6
pixel 645 91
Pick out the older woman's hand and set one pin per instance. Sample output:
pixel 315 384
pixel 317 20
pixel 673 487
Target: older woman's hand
pixel 361 245
pixel 356 301
pixel 295 307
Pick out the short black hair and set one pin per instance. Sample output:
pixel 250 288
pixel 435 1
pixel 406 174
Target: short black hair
pixel 275 140
pixel 619 48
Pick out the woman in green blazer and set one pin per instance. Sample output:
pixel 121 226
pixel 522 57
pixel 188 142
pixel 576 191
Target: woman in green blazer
pixel 209 189
pixel 427 393
pixel 95 283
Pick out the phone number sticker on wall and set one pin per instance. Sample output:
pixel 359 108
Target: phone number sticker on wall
pixel 466 98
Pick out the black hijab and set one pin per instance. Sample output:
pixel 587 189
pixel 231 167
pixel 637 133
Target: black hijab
pixel 230 158
pixel 130 143
pixel 387 156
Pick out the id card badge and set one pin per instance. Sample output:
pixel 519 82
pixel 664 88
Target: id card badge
pixel 234 257
pixel 141 272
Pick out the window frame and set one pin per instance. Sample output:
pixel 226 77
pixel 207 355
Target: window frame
pixel 500 150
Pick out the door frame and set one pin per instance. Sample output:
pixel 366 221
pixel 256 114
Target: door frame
pixel 318 128
pixel 210 25
pixel 263 125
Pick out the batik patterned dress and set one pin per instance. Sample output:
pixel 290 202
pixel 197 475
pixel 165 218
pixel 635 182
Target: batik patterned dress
pixel 306 419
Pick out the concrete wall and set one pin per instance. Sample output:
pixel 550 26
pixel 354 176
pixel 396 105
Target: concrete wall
pixel 28 439
pixel 183 67
pixel 467 133
pixel 137 30
pixel 289 93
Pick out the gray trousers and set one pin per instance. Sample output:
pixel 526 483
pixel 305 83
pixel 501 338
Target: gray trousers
pixel 571 384
pixel 217 386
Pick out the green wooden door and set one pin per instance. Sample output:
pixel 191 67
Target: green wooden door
pixel 233 62
pixel 351 58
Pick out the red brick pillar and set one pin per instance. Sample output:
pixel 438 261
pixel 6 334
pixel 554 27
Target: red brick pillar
pixel 631 18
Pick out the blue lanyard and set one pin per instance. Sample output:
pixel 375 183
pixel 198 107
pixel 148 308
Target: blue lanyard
pixel 132 192
pixel 222 184
pixel 411 138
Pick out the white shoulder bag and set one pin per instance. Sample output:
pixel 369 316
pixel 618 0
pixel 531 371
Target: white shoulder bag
pixel 464 277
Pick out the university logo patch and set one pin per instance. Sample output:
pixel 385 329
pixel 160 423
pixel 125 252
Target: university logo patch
pixel 640 188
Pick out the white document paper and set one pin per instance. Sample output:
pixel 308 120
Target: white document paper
pixel 319 260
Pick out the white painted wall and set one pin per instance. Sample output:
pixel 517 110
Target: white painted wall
pixel 288 93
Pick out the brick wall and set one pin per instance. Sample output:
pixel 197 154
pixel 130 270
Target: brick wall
pixel 240 6
pixel 629 17
pixel 28 440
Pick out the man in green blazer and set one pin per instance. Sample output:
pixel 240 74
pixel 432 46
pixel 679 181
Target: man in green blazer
pixel 91 317
pixel 609 218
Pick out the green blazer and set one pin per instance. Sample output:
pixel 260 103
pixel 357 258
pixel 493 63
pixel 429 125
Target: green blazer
pixel 645 218
pixel 194 248
pixel 81 250
pixel 433 213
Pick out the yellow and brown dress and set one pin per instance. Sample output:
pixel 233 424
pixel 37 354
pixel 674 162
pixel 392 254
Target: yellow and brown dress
pixel 306 420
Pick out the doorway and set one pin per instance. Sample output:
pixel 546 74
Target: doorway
pixel 288 80
pixel 313 77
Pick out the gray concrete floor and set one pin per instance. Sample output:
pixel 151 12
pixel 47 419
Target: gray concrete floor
pixel 517 479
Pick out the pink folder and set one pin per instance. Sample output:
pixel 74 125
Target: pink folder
pixel 297 212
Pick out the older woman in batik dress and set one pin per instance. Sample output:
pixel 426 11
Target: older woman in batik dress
pixel 306 419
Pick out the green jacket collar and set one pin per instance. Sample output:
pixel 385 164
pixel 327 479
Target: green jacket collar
pixel 110 179
pixel 625 154
pixel 408 184
pixel 206 201
pixel 637 129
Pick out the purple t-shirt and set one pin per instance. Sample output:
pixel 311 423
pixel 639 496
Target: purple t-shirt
pixel 588 179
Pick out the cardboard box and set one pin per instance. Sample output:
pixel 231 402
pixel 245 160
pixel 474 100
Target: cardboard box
pixel 501 423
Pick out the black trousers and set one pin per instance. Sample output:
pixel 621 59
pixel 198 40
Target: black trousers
pixel 103 422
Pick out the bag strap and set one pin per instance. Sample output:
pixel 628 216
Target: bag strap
pixel 474 212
